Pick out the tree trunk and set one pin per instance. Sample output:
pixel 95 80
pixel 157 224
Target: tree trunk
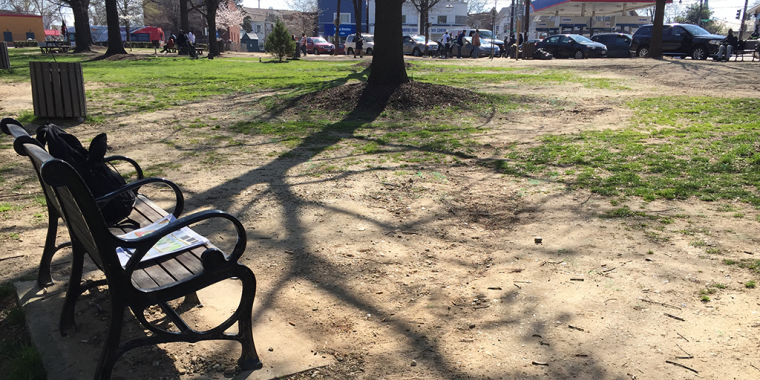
pixel 126 29
pixel 527 19
pixel 184 24
pixel 655 49
pixel 424 15
pixel 114 33
pixel 336 22
pixel 388 57
pixel 80 8
pixel 213 46
pixel 358 16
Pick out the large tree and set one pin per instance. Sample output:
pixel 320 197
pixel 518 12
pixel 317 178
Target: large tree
pixel 306 17
pixel 692 15
pixel 655 50
pixel 388 57
pixel 358 5
pixel 80 9
pixel 114 32
pixel 208 9
pixel 423 6
pixel 130 13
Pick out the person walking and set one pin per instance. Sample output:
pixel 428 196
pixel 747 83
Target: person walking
pixel 359 46
pixel 460 43
pixel 476 43
pixel 303 44
pixel 443 41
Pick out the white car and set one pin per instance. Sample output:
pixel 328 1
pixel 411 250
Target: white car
pixel 368 45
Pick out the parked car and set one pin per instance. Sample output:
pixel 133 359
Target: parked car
pixel 415 45
pixel 618 44
pixel 318 45
pixel 368 45
pixel 684 40
pixel 572 46
pixel 485 37
pixel 468 51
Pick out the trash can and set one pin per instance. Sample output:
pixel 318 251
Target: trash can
pixel 58 89
pixel 5 62
pixel 528 49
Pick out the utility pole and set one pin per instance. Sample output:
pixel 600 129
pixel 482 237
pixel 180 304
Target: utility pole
pixel 527 19
pixel 699 21
pixel 511 19
pixel 493 28
pixel 337 26
pixel 744 17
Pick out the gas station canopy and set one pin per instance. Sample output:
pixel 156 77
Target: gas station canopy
pixel 587 7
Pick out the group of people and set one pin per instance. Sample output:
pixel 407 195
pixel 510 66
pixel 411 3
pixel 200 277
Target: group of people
pixel 447 43
pixel 185 42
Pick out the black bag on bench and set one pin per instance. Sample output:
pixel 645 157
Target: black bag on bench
pixel 91 167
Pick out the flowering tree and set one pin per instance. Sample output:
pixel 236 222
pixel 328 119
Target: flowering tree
pixel 228 16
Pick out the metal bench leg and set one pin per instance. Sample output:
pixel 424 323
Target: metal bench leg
pixel 249 359
pixel 111 350
pixel 44 278
pixel 73 291
pixel 192 299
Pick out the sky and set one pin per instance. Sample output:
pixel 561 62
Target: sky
pixel 723 9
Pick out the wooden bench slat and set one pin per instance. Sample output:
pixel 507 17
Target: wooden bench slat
pixel 186 263
pixel 141 280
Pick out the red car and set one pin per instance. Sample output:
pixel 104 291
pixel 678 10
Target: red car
pixel 318 45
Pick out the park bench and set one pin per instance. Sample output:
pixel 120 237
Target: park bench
pixel 53 47
pixel 44 276
pixel 747 47
pixel 199 51
pixel 139 285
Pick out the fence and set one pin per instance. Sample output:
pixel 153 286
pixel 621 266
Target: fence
pixel 5 62
pixel 58 89
pixel 231 46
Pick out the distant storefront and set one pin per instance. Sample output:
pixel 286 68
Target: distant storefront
pixel 18 26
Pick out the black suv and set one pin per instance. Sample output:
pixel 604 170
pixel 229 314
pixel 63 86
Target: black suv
pixel 678 39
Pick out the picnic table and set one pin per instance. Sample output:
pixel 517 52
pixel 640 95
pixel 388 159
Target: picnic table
pixel 49 47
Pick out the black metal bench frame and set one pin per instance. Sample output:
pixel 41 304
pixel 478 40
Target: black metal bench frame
pixel 755 51
pixel 90 235
pixel 44 277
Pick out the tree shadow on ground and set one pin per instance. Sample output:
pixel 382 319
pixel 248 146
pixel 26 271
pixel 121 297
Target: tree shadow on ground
pixel 313 268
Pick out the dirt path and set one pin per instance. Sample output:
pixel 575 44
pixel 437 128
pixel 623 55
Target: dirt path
pixel 433 270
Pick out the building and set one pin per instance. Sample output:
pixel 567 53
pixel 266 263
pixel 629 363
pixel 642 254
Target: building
pixel 17 26
pixel 348 19
pixel 447 15
pixel 263 20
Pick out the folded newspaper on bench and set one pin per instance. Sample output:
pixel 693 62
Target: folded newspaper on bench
pixel 179 240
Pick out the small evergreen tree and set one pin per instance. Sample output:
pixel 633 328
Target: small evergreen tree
pixel 279 42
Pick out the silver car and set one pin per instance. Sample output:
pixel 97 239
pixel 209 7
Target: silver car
pixel 415 45
pixel 484 51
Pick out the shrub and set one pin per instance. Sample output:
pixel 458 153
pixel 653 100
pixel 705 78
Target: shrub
pixel 21 44
pixel 279 42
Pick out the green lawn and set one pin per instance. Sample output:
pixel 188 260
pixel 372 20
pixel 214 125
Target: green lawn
pixel 676 147
pixel 673 147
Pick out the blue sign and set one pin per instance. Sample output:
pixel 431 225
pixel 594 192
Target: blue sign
pixel 345 29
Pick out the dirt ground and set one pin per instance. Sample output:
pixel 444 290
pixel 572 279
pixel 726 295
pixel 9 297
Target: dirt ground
pixel 433 270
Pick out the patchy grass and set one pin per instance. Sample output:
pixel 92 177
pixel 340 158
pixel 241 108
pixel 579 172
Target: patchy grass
pixel 693 152
pixel 465 76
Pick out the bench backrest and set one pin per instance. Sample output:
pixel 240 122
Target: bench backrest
pixel 82 215
pixel 21 138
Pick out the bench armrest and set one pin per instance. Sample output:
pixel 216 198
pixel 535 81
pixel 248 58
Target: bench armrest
pixel 143 244
pixel 137 167
pixel 179 206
